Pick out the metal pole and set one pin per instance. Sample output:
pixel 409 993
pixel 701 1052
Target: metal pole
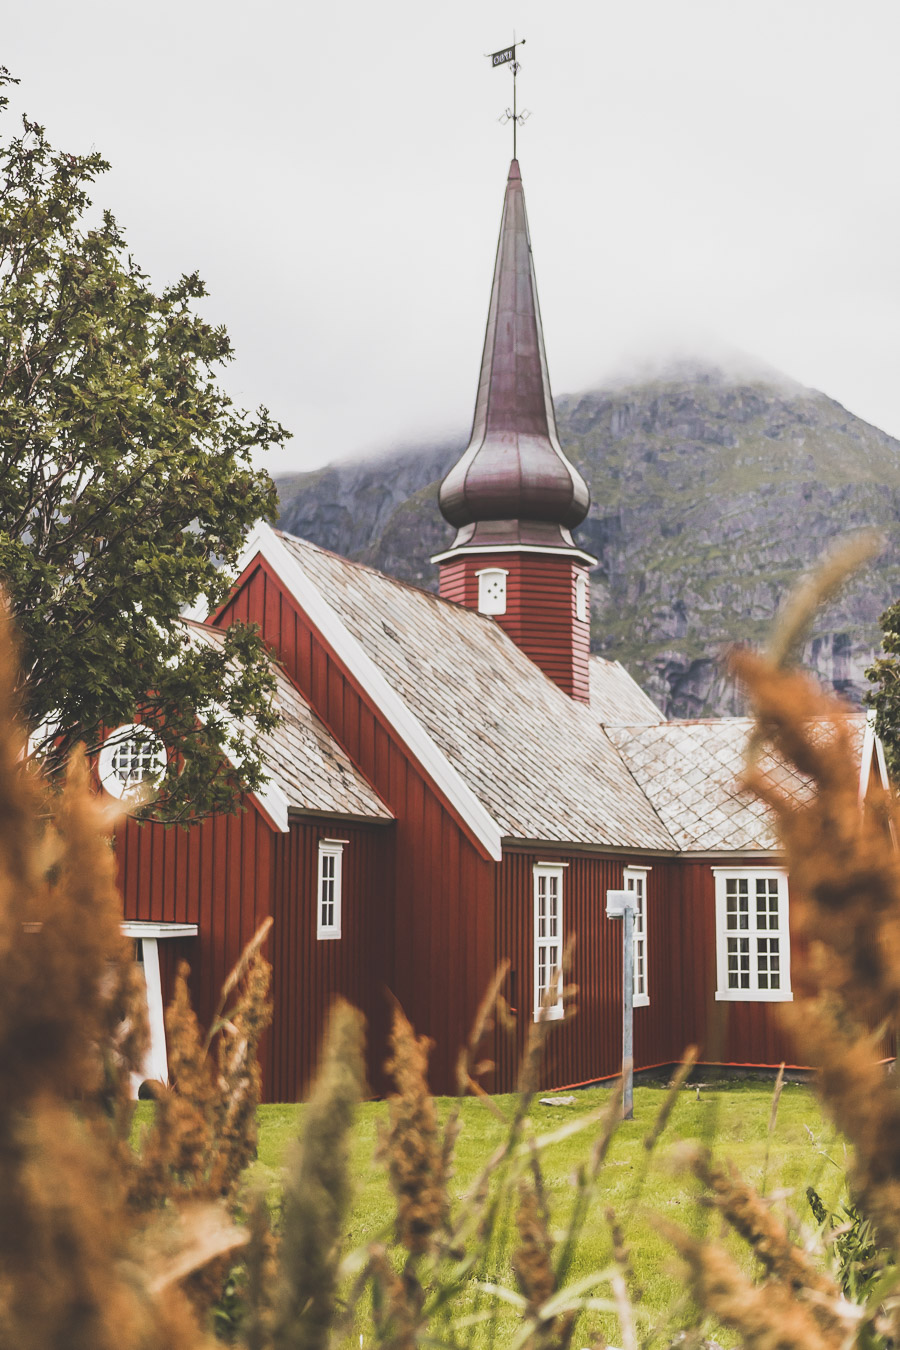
pixel 628 1012
pixel 515 73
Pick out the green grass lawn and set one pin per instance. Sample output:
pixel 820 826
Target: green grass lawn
pixel 732 1118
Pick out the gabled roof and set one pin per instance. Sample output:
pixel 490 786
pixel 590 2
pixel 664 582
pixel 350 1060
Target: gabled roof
pixel 690 771
pixel 305 764
pixel 617 698
pixel 538 763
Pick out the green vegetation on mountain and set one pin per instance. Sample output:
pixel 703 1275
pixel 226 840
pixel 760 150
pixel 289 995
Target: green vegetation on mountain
pixel 711 493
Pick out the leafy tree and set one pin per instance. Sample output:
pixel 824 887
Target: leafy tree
pixel 885 699
pixel 126 482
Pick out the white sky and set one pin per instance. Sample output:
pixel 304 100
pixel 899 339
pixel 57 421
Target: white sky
pixel 699 174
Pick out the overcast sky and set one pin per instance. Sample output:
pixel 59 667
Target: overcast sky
pixel 700 174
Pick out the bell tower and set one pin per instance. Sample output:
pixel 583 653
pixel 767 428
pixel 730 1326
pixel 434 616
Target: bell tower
pixel 513 496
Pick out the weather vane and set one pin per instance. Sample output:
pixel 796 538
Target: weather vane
pixel 507 55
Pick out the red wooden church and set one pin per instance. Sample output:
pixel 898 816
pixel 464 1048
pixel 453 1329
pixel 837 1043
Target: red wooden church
pixel 457 781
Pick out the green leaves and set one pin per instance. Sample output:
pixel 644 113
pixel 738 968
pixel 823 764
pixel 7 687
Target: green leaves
pixel 126 481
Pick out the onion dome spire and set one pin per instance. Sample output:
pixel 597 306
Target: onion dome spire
pixel 514 484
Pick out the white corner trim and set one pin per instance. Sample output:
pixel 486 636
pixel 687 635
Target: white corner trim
pixel 872 756
pixel 269 796
pixel 264 542
pixel 865 759
pixel 882 763
pixel 274 803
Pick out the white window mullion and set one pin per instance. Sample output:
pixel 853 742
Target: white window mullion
pixel 635 879
pixel 548 934
pixel 753 951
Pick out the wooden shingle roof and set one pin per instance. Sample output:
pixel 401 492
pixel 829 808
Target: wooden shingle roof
pixel 304 760
pixel 691 773
pixel 539 762
pixel 617 698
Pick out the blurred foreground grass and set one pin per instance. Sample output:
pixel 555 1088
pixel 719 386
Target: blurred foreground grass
pixel 732 1118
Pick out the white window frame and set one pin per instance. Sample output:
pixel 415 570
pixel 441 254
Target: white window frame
pixel 125 739
pixel 488 604
pixel 582 597
pixel 333 851
pixel 547 872
pixel 753 934
pixel 635 879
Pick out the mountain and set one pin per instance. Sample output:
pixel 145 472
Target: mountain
pixel 711 493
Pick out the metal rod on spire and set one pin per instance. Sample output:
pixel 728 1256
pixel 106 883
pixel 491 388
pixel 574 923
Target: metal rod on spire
pixel 507 55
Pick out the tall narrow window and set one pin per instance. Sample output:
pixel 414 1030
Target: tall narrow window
pixel 331 856
pixel 548 935
pixel 635 879
pixel 492 590
pixel 752 936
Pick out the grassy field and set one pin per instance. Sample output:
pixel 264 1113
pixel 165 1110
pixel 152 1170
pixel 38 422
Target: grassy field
pixel 733 1118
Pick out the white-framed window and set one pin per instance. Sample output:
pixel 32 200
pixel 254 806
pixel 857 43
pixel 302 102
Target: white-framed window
pixel 328 898
pixel 131 758
pixel 635 879
pixel 753 945
pixel 548 934
pixel 492 590
pixel 582 597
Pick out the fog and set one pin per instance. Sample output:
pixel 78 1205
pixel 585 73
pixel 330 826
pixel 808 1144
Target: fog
pixel 700 177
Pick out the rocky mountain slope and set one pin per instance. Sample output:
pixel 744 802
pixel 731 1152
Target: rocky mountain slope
pixel 710 492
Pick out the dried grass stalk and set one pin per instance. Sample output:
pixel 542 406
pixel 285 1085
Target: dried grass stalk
pixel 845 911
pixel 532 1262
pixel 71 1031
pixel 754 1220
pixel 317 1191
pixel 412 1147
pixel 767 1316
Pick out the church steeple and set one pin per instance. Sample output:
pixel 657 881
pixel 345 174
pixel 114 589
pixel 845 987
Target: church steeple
pixel 513 496
pixel 514 484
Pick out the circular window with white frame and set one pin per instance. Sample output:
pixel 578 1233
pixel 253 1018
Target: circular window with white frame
pixel 132 759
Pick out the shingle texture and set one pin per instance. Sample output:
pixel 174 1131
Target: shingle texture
pixel 616 698
pixel 539 762
pixel 690 771
pixel 303 758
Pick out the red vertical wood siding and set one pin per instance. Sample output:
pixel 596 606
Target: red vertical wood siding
pixel 229 873
pixel 727 1033
pixel 310 973
pixel 443 885
pixel 540 610
pixel 219 875
pixel 590 1045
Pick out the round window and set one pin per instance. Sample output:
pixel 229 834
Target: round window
pixel 132 757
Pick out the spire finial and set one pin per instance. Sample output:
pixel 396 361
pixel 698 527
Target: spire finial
pixel 507 55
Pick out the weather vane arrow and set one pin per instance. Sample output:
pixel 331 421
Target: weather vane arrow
pixel 507 56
